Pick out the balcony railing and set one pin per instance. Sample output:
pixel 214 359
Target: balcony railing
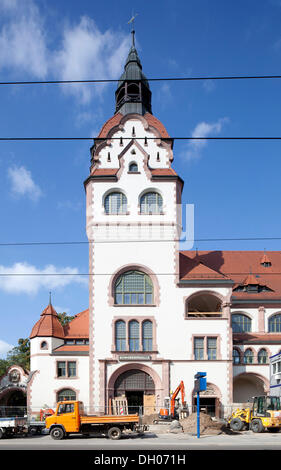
pixel 204 314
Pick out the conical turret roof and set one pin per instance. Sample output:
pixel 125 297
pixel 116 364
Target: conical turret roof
pixel 48 324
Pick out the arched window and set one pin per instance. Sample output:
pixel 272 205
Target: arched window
pixel 147 335
pixel 120 335
pixel 274 324
pixel 151 203
pixel 134 336
pixel 248 356
pixel 115 203
pixel 241 323
pixel 66 394
pixel 262 356
pixel 44 345
pixel 133 167
pixel 133 288
pixel 236 356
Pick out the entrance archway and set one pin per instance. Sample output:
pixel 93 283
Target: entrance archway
pixel 210 401
pixel 138 383
pixel 13 402
pixel 138 388
pixel 247 385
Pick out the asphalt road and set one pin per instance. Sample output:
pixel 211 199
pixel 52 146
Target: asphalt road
pixel 241 441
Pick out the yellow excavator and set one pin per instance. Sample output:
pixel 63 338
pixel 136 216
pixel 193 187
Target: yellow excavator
pixel 265 413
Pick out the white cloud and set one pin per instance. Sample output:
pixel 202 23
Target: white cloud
pixel 34 279
pixel 22 183
pixel 87 53
pixel 22 39
pixel 84 51
pixel 194 148
pixel 4 348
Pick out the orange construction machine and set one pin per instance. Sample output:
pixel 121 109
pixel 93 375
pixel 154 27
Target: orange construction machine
pixel 172 407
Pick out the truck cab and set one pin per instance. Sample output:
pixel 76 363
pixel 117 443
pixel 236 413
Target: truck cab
pixel 66 416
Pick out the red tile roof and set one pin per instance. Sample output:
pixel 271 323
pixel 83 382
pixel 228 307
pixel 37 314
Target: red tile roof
pixel 48 324
pixel 115 120
pixel 235 265
pixel 163 172
pixel 78 327
pixel 256 338
pixel 105 171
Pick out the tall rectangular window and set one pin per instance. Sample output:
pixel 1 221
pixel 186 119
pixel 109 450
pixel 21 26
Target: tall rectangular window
pixel 198 348
pixel 212 348
pixel 71 366
pixel 134 339
pixel 61 369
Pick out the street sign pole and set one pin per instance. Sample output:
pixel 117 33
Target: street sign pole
pixel 198 415
pixel 199 386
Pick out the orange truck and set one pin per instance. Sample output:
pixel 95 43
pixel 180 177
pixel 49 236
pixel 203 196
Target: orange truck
pixel 69 418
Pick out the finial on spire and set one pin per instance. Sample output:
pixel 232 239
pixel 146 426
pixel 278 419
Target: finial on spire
pixel 132 22
pixel 50 298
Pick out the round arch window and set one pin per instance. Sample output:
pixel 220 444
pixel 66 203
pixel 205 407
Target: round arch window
pixel 115 203
pixel 274 324
pixel 66 394
pixel 133 288
pixel 151 203
pixel 241 323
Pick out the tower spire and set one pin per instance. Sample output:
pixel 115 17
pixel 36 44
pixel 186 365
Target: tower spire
pixel 133 94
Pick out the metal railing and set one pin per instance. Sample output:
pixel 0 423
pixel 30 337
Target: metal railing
pixel 220 412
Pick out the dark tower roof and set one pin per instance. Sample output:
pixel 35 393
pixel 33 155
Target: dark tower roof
pixel 133 94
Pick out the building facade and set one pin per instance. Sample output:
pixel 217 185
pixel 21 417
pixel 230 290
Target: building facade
pixel 157 315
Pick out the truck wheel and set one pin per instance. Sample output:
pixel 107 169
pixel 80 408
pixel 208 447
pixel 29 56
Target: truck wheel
pixel 57 433
pixel 32 430
pixel 114 433
pixel 257 426
pixel 236 424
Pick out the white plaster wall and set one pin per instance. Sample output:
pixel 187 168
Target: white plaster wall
pixel 45 384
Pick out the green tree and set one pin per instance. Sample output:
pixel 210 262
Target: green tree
pixel 3 366
pixel 20 354
pixel 64 318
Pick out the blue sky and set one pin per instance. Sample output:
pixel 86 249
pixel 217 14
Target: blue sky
pixel 234 185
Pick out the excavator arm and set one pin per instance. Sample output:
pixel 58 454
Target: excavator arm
pixel 181 389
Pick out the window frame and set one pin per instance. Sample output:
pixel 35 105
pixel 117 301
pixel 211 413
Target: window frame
pixel 123 204
pixel 65 367
pixel 120 280
pixel 243 320
pixel 145 207
pixel 141 339
pixel 204 349
pixel 274 321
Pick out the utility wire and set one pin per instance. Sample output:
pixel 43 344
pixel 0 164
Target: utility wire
pixel 25 139
pixel 89 242
pixel 158 79
pixel 194 277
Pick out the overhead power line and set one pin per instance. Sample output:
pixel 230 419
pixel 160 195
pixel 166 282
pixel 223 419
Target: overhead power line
pixel 89 242
pixel 198 276
pixel 26 139
pixel 156 79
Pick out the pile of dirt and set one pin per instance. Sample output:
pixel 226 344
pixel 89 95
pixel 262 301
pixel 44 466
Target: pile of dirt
pixel 207 425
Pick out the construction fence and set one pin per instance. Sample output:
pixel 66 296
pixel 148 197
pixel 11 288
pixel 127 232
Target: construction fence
pixel 122 408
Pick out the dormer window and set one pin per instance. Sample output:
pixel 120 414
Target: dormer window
pixel 265 261
pixel 133 167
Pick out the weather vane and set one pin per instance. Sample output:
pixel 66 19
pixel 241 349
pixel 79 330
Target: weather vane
pixel 132 22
